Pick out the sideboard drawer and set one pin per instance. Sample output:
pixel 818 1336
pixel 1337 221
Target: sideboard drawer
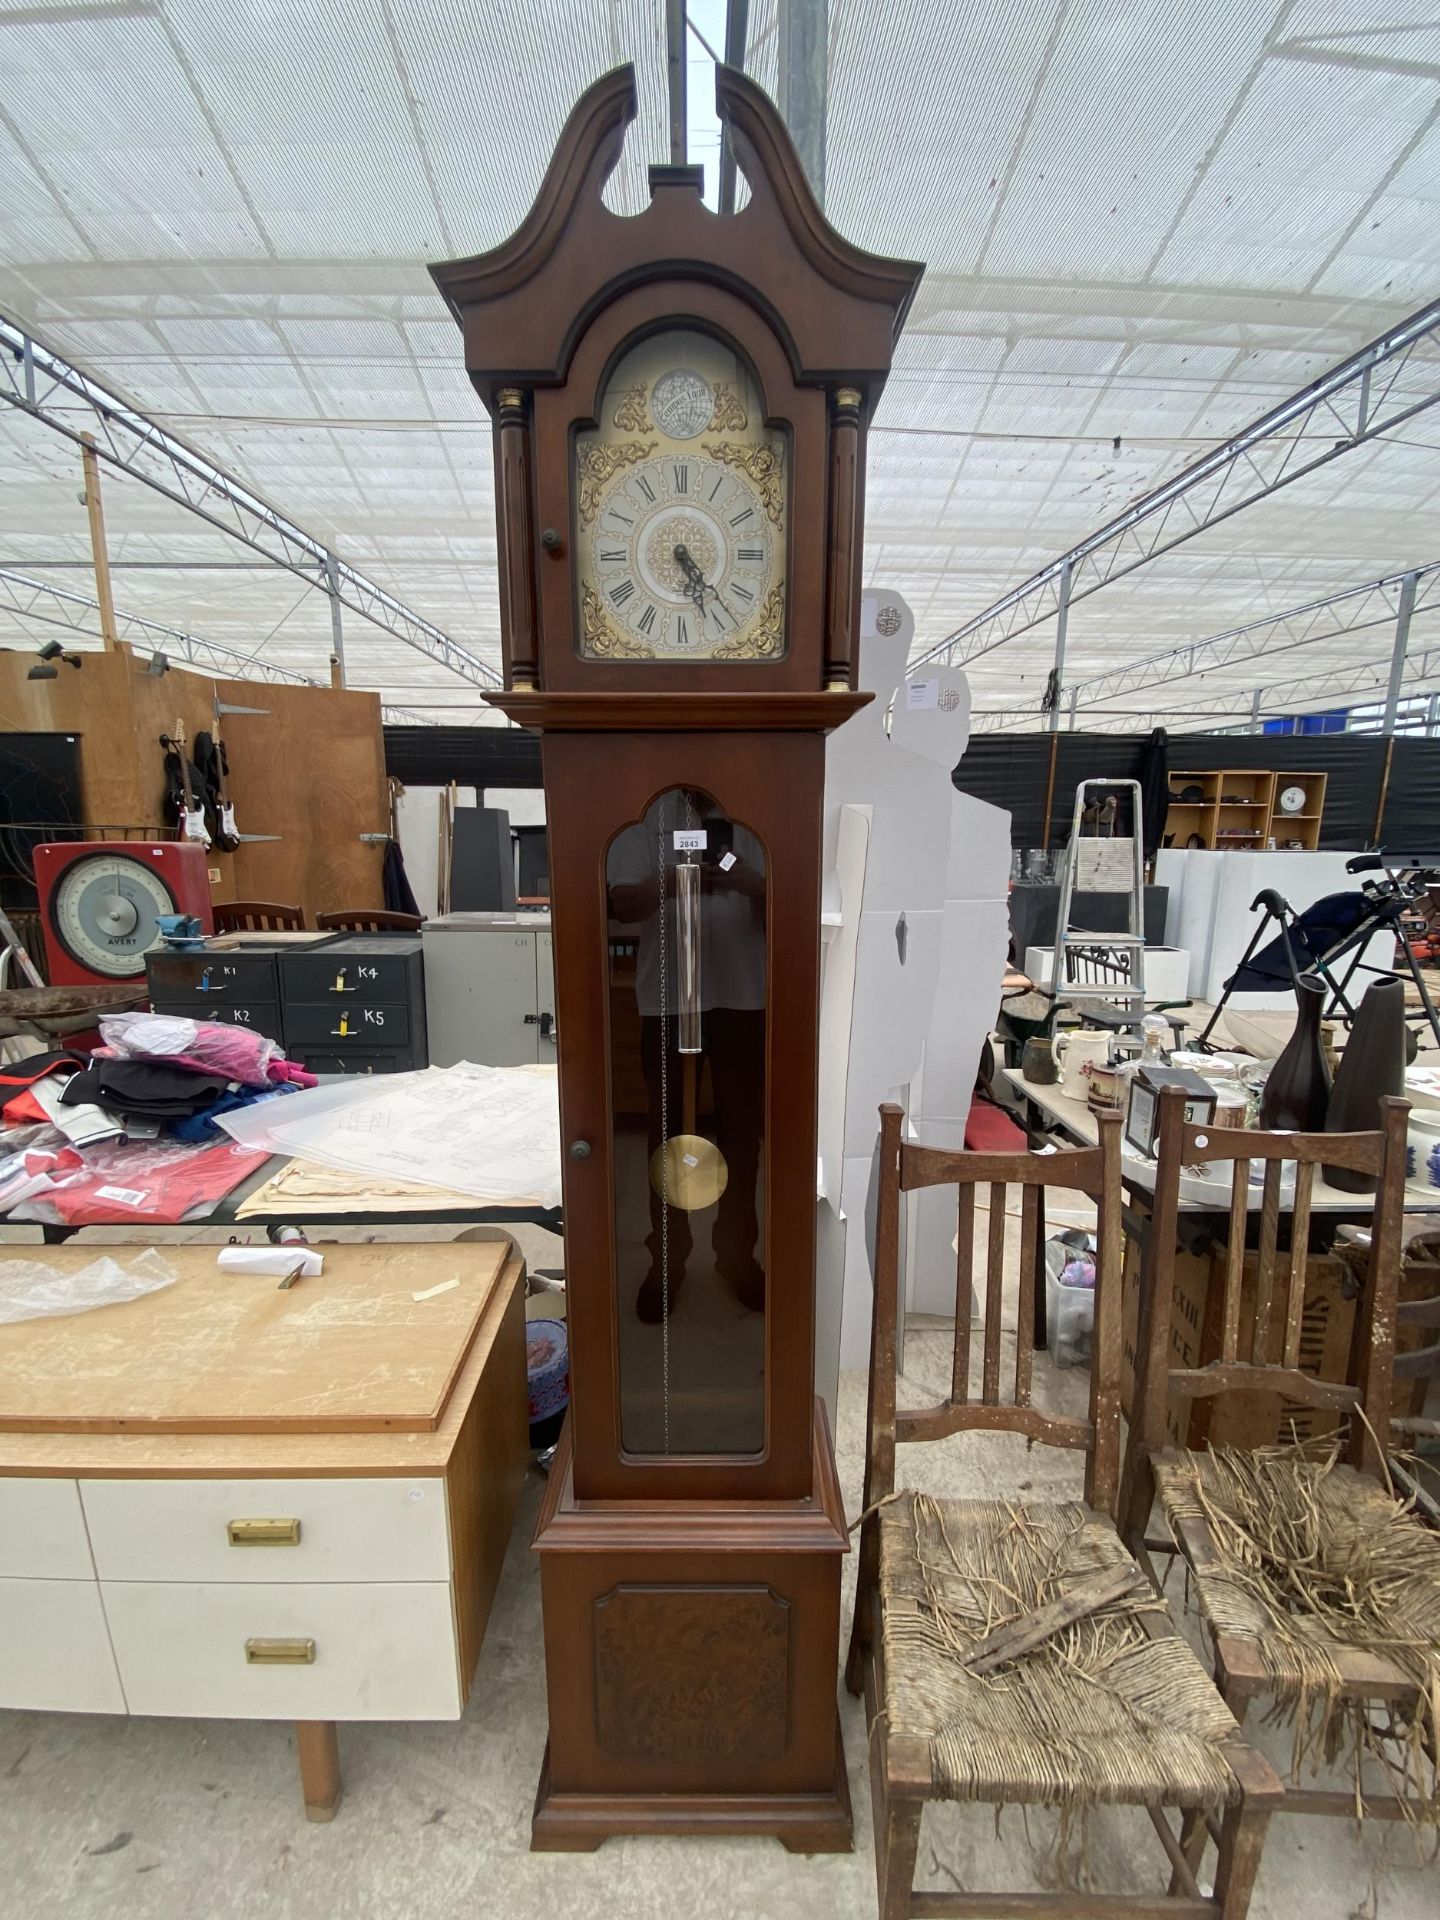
pixel 54 1647
pixel 268 1530
pixel 42 1531
pixel 380 1652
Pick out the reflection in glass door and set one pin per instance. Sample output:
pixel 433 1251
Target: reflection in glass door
pixel 686 896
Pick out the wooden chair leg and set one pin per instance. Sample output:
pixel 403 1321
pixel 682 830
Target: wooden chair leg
pixel 863 1624
pixel 319 1749
pixel 897 1841
pixel 855 1658
pixel 1193 1834
pixel 1242 1840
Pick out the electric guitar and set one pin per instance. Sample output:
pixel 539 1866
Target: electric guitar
pixel 229 833
pixel 191 815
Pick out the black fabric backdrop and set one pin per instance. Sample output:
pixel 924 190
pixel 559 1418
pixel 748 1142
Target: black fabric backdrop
pixel 1011 771
pixel 470 756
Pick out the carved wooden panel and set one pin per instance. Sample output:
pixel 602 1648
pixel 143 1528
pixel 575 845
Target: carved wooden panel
pixel 686 1673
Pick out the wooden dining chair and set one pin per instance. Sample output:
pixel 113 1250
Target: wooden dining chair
pixel 369 920
pixel 257 916
pixel 1011 1650
pixel 1318 1588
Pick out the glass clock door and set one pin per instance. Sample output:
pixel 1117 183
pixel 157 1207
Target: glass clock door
pixel 686 896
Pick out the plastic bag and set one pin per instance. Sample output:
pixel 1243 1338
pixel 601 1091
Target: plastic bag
pixel 202 1045
pixel 166 1185
pixel 30 1290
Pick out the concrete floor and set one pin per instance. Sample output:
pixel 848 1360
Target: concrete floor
pixel 158 1818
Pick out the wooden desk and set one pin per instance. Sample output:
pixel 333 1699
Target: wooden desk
pixel 1199 1193
pixel 267 1567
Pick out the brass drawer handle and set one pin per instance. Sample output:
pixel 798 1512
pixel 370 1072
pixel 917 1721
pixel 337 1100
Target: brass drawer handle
pixel 263 1533
pixel 280 1653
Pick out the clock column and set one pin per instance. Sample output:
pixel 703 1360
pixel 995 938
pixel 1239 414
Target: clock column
pixel 517 545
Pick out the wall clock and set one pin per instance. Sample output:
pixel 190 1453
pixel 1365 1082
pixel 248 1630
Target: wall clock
pixel 679 405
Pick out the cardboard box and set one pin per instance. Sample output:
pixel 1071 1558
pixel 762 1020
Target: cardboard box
pixel 1197 1304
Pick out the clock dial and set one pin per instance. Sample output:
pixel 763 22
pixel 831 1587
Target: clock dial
pixel 104 909
pixel 681 509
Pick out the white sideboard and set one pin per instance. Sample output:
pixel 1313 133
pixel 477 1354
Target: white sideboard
pixel 314 1577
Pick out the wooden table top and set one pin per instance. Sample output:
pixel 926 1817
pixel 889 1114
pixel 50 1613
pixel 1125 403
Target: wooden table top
pixel 349 1350
pixel 268 1454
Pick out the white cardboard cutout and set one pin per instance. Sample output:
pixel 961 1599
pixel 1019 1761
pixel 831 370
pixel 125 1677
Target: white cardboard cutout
pixel 929 947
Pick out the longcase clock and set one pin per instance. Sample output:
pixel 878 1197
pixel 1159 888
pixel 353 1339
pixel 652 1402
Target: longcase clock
pixel 679 403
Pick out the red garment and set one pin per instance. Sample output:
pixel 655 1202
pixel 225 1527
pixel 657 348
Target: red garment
pixel 24 1110
pixel 163 1185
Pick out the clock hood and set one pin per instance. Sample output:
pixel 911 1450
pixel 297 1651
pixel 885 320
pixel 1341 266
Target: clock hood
pixel 524 304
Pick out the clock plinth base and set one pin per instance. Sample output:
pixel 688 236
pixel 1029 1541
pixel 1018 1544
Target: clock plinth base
pixel 802 1823
pixel 692 1663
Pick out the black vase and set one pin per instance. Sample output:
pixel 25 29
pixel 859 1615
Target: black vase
pixel 1296 1095
pixel 1372 1065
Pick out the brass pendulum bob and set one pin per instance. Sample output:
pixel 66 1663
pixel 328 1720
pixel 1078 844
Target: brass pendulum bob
pixel 688 1171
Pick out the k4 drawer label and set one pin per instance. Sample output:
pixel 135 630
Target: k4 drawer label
pixel 344 977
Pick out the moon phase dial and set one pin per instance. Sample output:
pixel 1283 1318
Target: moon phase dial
pixel 682 403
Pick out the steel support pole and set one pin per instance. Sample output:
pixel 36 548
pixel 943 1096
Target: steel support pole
pixel 737 28
pixel 337 632
pixel 1397 657
pixel 1062 621
pixel 677 70
pixel 1255 709
pixel 804 56
pixel 1074 697
pixel 1432 718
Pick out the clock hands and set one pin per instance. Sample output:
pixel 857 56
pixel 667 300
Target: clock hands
pixel 697 585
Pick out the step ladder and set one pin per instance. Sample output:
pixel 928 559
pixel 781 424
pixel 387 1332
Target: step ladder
pixel 1094 966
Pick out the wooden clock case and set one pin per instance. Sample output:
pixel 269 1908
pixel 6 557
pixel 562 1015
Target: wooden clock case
pixel 691 1601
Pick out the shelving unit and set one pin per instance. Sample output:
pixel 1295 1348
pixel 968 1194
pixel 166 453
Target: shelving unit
pixel 1301 829
pixel 1239 808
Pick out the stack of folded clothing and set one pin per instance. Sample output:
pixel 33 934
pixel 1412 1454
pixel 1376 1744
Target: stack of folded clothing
pixel 153 1091
pixel 181 1100
pixel 153 1072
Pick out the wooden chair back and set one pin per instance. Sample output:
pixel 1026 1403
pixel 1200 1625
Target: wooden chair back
pixel 1245 1364
pixel 904 1167
pixel 369 920
pixel 258 916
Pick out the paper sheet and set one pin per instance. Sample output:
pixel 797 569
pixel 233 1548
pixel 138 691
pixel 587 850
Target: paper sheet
pixel 304 1188
pixel 488 1132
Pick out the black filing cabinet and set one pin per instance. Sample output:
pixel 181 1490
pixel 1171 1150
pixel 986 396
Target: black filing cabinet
pixel 355 1004
pixel 239 986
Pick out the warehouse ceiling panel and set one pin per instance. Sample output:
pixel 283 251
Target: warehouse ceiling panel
pixel 1144 225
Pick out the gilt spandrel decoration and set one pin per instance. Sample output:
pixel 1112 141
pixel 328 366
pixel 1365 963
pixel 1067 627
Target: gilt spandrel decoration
pixel 631 414
pixel 599 463
pixel 603 639
pixel 760 465
pixel 728 416
pixel 766 638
